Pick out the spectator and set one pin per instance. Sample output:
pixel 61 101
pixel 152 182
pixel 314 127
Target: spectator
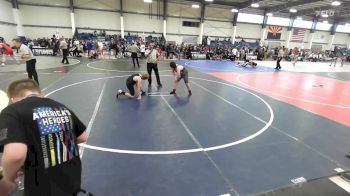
pixel 280 57
pixel 89 47
pixel 41 137
pixel 142 50
pixel 234 53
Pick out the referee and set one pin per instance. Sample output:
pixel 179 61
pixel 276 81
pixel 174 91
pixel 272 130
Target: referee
pixel 64 48
pixel 134 50
pixel 152 59
pixel 27 55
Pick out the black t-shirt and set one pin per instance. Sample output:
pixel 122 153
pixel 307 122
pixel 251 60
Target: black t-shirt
pixel 49 129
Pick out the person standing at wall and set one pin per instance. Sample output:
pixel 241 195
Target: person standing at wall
pixel 80 49
pixel 53 45
pixel 74 48
pixel 295 55
pixel 70 45
pixel 134 51
pixel 280 57
pixel 89 47
pixel 142 50
pixel 123 50
pixel 167 51
pixel 335 55
pixel 95 49
pixel 2 56
pixel 234 53
pixel 64 48
pixel 100 49
pixel 152 59
pixel 242 56
pixel 26 54
pixel 5 50
pixel 117 50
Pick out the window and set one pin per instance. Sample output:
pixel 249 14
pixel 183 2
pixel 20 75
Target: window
pixel 190 24
pixel 323 26
pixel 302 24
pixel 278 21
pixel 343 29
pixel 250 18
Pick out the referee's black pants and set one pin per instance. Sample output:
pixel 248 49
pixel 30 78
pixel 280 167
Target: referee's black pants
pixel 134 56
pixel 31 70
pixel 278 66
pixel 150 67
pixel 65 54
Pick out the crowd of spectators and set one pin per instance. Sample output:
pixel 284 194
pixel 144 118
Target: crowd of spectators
pixel 95 45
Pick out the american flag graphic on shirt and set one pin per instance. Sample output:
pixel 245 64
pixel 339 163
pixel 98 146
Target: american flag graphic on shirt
pixel 55 126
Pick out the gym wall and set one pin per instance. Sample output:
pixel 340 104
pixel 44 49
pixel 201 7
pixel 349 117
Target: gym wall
pixel 7 22
pixel 45 20
pixel 97 19
pixel 250 32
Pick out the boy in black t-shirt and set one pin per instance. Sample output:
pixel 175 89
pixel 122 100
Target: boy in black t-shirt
pixel 41 137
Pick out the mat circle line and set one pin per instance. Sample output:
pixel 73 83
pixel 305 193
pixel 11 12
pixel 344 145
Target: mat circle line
pixel 116 70
pixel 169 152
pixel 66 65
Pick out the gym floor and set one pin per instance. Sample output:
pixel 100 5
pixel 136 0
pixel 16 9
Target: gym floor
pixel 244 131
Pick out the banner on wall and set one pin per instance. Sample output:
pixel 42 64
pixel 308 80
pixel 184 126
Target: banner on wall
pixel 274 44
pixel 320 38
pixel 189 39
pixel 298 35
pixel 274 32
pixel 316 48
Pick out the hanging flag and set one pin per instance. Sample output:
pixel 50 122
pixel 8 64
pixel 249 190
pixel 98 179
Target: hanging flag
pixel 298 35
pixel 274 32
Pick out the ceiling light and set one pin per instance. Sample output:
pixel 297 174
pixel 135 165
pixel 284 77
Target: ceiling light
pixel 299 18
pixel 324 15
pixel 336 3
pixel 293 10
pixel 325 21
pixel 234 10
pixel 195 6
pixel 255 5
pixel 269 14
pixel 147 1
pixel 209 0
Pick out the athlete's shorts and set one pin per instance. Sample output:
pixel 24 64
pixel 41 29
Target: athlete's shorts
pixel 130 86
pixel 184 75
